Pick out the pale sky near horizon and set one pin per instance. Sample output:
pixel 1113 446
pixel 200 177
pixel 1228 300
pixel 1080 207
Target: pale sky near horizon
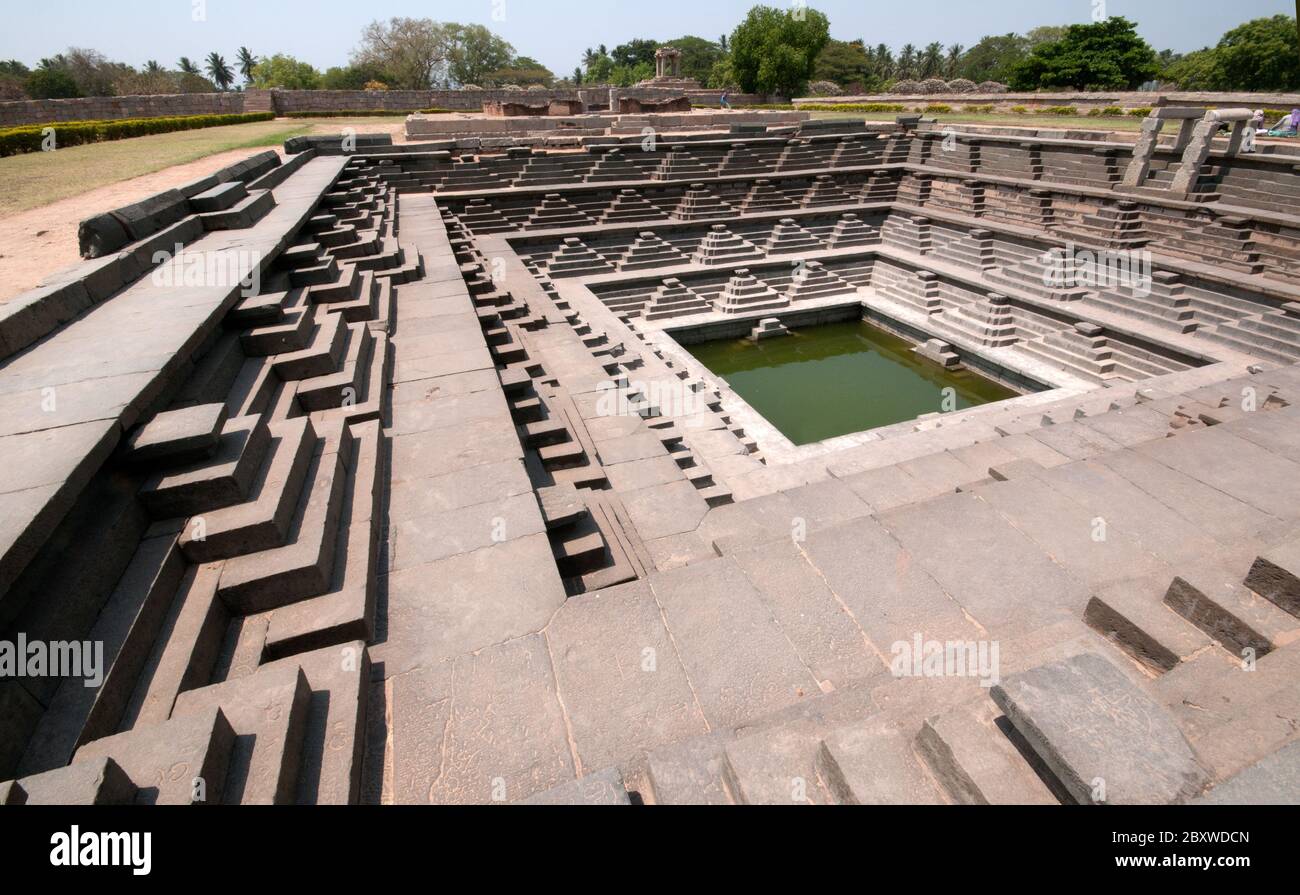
pixel 556 32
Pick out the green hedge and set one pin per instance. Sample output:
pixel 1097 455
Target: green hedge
pixel 29 137
pixel 852 107
pixel 1063 111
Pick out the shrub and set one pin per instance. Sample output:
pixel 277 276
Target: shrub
pixel 375 85
pixel 938 108
pixel 1063 111
pixel 28 138
pixel 825 88
pixel 1020 110
pixel 842 107
pixel 978 110
pixel 1140 113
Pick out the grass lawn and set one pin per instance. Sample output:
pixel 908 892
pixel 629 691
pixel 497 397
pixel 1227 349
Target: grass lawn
pixel 39 178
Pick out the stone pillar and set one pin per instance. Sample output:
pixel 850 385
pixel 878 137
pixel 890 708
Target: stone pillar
pixel 1198 151
pixel 1143 150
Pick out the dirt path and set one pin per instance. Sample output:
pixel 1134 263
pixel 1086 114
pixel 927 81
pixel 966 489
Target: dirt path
pixel 36 243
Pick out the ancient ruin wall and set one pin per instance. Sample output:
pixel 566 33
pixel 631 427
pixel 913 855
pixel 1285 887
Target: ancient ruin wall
pixel 101 108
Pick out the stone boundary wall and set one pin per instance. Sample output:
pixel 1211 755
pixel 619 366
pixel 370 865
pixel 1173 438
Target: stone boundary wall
pixel 282 102
pixel 1084 102
pixel 103 108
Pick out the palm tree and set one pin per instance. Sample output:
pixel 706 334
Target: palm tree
pixel 722 44
pixel 187 66
pixel 907 63
pixel 588 57
pixel 954 60
pixel 577 77
pixel 932 61
pixel 220 73
pixel 884 59
pixel 247 62
pixel 152 67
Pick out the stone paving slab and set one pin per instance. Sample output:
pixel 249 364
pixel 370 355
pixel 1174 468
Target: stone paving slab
pixel 620 679
pixel 1104 739
pixel 739 661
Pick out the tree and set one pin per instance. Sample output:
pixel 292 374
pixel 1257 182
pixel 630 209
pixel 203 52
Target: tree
pixel 635 52
pixel 522 71
pixel 775 51
pixel 51 83
pixel 1105 55
pixel 475 52
pixel 907 63
pixel 993 58
pixel 1045 34
pixel 952 65
pixel 414 52
pixel 932 60
pixel 285 73
pixel 354 77
pixel 220 73
pixel 1259 55
pixel 246 62
pixel 845 64
pixel 187 66
pixel 1196 71
pixel 698 57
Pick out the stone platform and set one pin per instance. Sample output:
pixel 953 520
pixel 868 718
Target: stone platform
pixel 435 509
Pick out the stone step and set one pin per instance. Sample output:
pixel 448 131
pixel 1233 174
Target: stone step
pixel 774 767
pixel 175 437
pixel 183 761
pixel 222 481
pixel 292 333
pixel 301 565
pixel 976 757
pixel 1131 615
pixel 92 782
pixel 243 214
pixel 321 356
pixel 268 713
pixel 872 763
pixel 1106 741
pixel 1274 780
pixel 334 389
pixel 128 626
pixel 1276 576
pixel 604 788
pixel 1211 598
pixel 344 288
pixel 263 521
pixel 219 198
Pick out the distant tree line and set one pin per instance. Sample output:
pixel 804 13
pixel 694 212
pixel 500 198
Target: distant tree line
pixel 773 51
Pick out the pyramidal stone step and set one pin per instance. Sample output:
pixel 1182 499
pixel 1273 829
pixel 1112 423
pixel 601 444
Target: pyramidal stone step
pixel 679 164
pixel 650 250
pixel 826 190
pixel 699 203
pixel 674 299
pixel 787 237
pixel 813 280
pixel 556 212
pixel 575 259
pixel 1103 738
pixel 630 207
pixel 763 196
pixel 851 231
pixel 614 166
pixel 872 763
pixel 742 160
pixel 721 246
pixel 745 293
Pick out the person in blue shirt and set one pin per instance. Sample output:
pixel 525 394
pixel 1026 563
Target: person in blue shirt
pixel 725 104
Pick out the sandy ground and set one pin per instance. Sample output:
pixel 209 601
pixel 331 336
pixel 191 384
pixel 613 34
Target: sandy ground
pixel 36 243
pixel 40 241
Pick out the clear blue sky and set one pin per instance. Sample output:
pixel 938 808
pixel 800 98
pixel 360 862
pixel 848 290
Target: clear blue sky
pixel 556 31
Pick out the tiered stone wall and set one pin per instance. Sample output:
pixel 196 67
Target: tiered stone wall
pixel 41 111
pixel 1083 102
